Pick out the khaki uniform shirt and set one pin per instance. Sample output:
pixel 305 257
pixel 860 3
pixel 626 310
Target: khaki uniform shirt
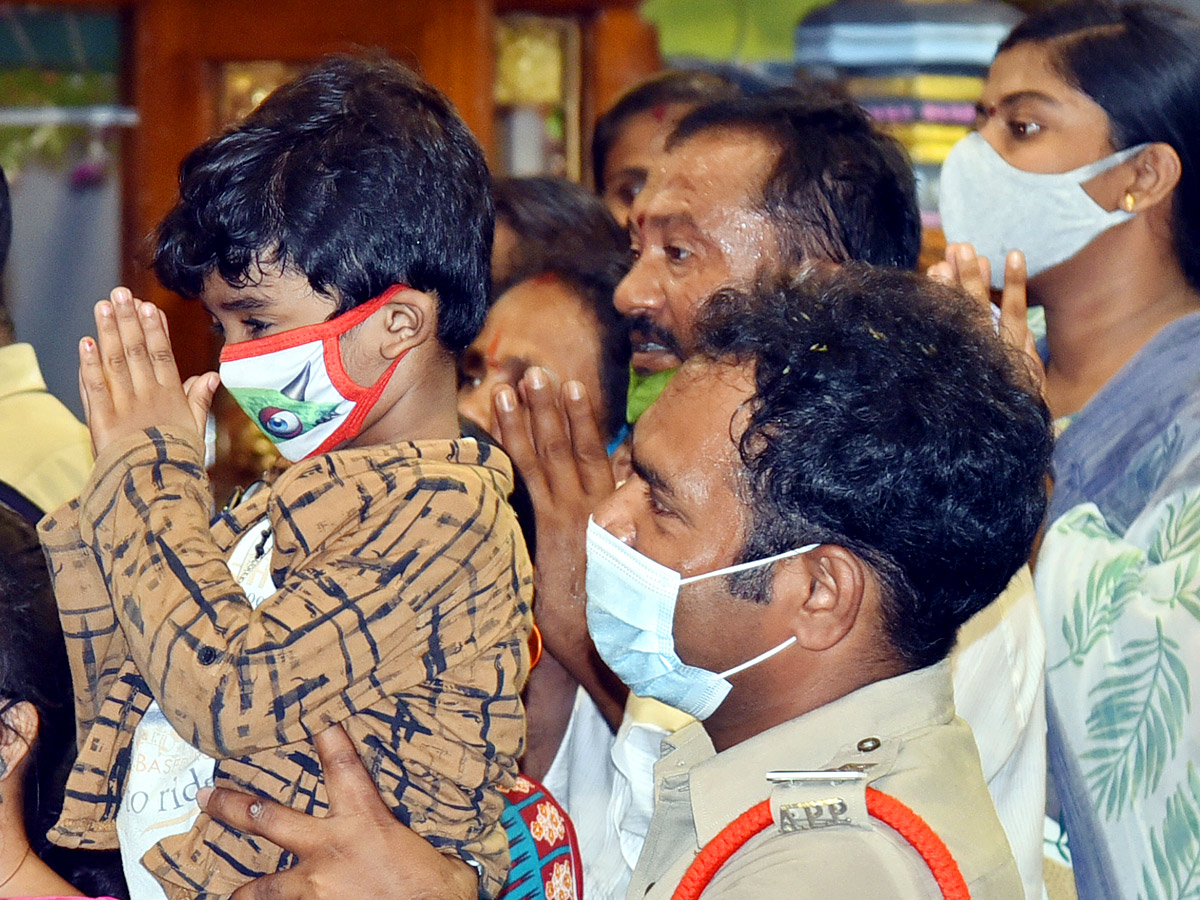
pixel 402 611
pixel 902 733
pixel 45 452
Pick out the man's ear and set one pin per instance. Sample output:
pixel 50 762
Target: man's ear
pixel 409 320
pixel 821 594
pixel 18 731
pixel 1156 172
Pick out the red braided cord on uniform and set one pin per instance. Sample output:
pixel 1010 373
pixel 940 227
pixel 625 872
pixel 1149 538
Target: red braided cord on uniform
pixel 884 807
pixel 717 851
pixel 891 812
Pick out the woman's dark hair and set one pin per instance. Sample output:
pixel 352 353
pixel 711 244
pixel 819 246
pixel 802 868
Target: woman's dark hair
pixel 691 86
pixel 554 218
pixel 1140 62
pixel 5 220
pixel 840 190
pixel 357 175
pixel 34 670
pixel 889 419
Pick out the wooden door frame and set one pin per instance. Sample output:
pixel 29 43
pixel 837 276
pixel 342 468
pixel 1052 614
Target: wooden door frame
pixel 177 46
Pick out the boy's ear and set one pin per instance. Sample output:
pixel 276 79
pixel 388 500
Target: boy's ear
pixel 18 731
pixel 821 594
pixel 409 320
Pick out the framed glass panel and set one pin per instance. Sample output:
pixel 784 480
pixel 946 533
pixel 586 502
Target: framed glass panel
pixel 537 95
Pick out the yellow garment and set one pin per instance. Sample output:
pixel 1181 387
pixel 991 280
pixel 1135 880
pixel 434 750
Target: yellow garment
pixel 45 452
pixel 648 711
pixel 962 88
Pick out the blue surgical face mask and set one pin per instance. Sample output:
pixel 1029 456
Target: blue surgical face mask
pixel 997 207
pixel 631 613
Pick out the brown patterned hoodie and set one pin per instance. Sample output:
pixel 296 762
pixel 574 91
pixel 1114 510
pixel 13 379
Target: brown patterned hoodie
pixel 402 611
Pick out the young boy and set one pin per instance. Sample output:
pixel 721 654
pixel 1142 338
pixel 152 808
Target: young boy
pixel 339 238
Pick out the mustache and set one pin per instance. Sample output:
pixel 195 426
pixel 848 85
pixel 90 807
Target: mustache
pixel 643 331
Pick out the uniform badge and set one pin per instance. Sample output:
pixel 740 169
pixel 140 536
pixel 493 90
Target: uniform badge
pixel 812 801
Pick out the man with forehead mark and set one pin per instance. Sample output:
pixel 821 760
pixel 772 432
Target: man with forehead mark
pixel 745 187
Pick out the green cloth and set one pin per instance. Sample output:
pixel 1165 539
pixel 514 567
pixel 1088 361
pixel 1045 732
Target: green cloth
pixel 644 390
pixel 743 30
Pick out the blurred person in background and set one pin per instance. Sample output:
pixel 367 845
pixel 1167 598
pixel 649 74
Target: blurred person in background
pixel 558 315
pixel 37 731
pixel 630 136
pixel 543 216
pixel 45 452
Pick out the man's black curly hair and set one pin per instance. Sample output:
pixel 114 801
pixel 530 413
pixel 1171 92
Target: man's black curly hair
pixel 889 419
pixel 357 175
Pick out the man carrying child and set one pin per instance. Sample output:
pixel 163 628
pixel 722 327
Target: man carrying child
pixel 339 238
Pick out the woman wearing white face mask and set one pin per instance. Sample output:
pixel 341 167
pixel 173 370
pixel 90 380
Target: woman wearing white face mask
pixel 1087 158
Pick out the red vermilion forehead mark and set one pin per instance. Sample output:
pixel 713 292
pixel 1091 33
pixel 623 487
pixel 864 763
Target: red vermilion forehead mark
pixel 659 112
pixel 493 361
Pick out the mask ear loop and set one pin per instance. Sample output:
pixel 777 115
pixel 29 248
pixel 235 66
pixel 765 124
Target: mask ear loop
pixel 742 567
pixel 760 658
pixel 753 564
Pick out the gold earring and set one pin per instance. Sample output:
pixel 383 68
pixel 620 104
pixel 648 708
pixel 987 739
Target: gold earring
pixel 1128 202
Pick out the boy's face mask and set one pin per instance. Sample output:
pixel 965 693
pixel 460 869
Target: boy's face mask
pixel 997 207
pixel 294 386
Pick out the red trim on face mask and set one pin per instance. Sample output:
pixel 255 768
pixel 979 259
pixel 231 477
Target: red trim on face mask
pixel 329 333
pixel 306 334
pixel 362 405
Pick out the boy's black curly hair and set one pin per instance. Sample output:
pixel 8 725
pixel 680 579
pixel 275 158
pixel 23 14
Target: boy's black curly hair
pixel 357 175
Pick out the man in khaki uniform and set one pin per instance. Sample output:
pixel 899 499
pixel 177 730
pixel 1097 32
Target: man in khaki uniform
pixel 849 467
pixel 904 735
pixel 846 471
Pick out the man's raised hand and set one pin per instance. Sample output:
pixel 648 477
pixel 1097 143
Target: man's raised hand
pixel 963 268
pixel 554 441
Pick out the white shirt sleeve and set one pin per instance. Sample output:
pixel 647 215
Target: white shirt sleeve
pixel 582 779
pixel 999 688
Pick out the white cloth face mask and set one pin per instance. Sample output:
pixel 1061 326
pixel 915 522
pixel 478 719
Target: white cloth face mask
pixel 294 386
pixel 998 208
pixel 631 603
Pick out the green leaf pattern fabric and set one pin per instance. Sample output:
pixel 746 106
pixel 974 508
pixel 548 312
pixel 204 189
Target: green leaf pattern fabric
pixel 1122 615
